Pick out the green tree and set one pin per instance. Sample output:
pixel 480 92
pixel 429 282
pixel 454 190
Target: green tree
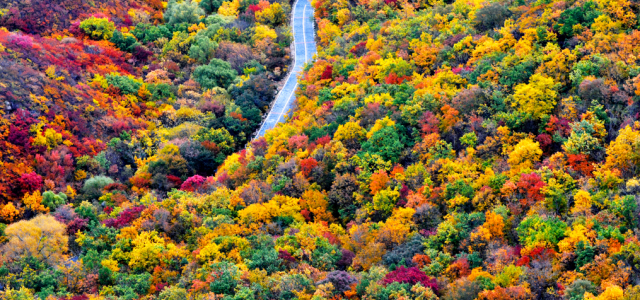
pixel 185 12
pixel 124 42
pixel 385 200
pixel 94 185
pixel 131 286
pixel 221 138
pixel 582 140
pixel 341 196
pixel 160 91
pixel 263 254
pixel 583 15
pixel 326 255
pixel 578 288
pixel 469 139
pixel 98 28
pixel 126 84
pixel 584 254
pixel 385 142
pixel 173 293
pixel 210 6
pixel 218 73
pixel 53 201
pixel 202 49
pixel 534 230
pixel 225 281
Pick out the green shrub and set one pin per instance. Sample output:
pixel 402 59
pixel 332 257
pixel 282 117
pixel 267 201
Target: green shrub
pixel 124 42
pixel 98 28
pixel 202 49
pixel 491 16
pixel 125 84
pixel 53 201
pixel 94 185
pixel 173 293
pixel 186 12
pixel 578 288
pixel 210 6
pixel 218 73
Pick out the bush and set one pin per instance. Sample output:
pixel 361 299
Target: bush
pixel 124 42
pixel 53 201
pixel 578 288
pixel 341 280
pixel 202 49
pixel 94 185
pixel 225 282
pixel 491 16
pixel 210 6
pixel 386 143
pixel 186 12
pixel 403 253
pixel 583 15
pixel 218 73
pixel 173 293
pixel 125 84
pixel 412 276
pixel 98 28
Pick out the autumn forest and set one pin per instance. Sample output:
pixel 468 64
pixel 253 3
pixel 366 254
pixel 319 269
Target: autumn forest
pixel 436 149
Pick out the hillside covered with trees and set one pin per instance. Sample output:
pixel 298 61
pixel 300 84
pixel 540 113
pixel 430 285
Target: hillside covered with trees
pixel 437 150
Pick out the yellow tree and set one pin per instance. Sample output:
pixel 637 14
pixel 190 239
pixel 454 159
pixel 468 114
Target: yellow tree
pixel 42 237
pixel 537 98
pixel 612 292
pixel 316 203
pixel 524 154
pixel 147 251
pixel 34 202
pixel 624 152
pixel 9 212
pixel 350 134
pixel 494 224
pixel 327 31
pixel 582 203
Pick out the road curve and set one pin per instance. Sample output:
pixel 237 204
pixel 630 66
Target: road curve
pixel 305 49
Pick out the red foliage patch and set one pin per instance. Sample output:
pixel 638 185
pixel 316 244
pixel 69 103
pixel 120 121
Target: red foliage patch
pixel 327 73
pixel 412 276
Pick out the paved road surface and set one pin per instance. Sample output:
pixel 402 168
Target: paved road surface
pixel 305 48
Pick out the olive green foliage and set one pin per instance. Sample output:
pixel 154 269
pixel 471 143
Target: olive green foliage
pixel 202 49
pixel 53 201
pixel 94 185
pixel 218 73
pixel 183 12
pixel 98 28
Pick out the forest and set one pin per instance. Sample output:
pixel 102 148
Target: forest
pixel 437 149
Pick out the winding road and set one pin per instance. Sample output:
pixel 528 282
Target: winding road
pixel 305 49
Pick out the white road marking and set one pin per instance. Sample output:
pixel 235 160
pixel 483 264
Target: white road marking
pixel 293 28
pixel 288 100
pixel 304 33
pixel 266 123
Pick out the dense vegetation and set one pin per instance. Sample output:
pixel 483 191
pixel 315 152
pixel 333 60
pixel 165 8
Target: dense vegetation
pixel 104 92
pixel 456 150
